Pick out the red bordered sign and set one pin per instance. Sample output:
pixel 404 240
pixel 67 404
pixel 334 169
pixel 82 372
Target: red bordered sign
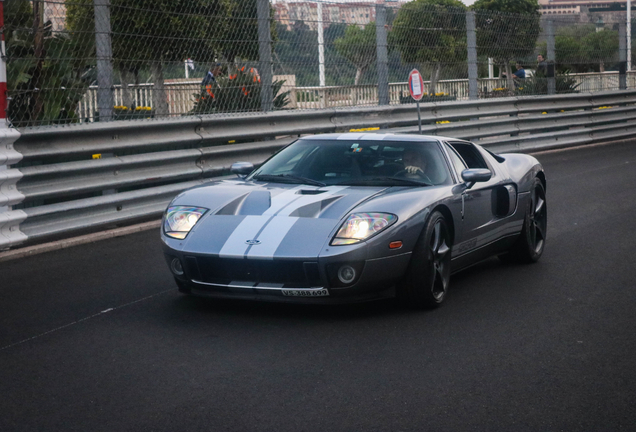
pixel 416 85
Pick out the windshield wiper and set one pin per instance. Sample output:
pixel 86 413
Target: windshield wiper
pixel 385 180
pixel 288 178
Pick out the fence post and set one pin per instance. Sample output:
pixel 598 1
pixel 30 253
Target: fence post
pixel 3 72
pixel 382 55
pixel 265 54
pixel 104 53
pixel 321 46
pixel 622 56
pixel 551 72
pixel 471 39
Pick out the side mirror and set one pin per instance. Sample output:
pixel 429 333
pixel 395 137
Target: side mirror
pixel 475 175
pixel 242 169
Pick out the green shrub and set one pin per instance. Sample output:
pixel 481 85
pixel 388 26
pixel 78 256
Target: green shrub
pixel 238 91
pixel 538 85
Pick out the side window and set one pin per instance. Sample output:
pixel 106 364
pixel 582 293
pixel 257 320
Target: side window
pixel 470 154
pixel 458 163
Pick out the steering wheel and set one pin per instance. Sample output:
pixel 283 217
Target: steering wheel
pixel 419 174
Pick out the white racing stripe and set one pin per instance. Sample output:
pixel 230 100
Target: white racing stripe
pixel 271 237
pixel 350 136
pixel 282 199
pixel 271 227
pixel 247 230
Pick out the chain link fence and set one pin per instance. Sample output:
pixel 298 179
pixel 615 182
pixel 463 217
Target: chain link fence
pixel 80 61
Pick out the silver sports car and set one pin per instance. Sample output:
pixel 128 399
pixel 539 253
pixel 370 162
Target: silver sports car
pixel 355 217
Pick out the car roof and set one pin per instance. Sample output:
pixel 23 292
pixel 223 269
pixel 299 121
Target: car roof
pixel 365 136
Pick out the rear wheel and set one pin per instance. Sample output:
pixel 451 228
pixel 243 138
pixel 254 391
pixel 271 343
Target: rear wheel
pixel 530 244
pixel 427 278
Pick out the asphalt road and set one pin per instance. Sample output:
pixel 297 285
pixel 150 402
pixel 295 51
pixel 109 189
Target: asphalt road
pixel 96 338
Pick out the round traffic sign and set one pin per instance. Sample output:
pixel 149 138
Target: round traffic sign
pixel 416 85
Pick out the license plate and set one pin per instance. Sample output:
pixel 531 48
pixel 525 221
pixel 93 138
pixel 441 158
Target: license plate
pixel 306 293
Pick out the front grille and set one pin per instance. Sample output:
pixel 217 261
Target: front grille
pixel 226 270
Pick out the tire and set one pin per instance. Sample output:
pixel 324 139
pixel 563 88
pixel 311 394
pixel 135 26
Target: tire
pixel 425 284
pixel 530 245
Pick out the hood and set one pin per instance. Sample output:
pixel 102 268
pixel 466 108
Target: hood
pixel 266 220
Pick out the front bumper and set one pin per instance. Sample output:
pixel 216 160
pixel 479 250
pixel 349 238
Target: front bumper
pixel 268 280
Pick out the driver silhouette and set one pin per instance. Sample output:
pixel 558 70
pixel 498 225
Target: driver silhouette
pixel 414 163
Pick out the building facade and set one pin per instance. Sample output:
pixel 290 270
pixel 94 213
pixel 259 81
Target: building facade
pixel 569 7
pixel 288 12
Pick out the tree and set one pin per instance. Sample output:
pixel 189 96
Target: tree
pixel 297 49
pixel 150 33
pixel 577 31
pixel 241 32
pixel 43 79
pixel 359 47
pixel 430 31
pixel 568 53
pixel 601 47
pixel 507 30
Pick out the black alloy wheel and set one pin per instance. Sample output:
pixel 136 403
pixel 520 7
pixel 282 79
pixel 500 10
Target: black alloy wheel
pixel 538 220
pixel 531 243
pixel 426 282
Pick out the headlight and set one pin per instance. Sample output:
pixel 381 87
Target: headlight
pixel 361 226
pixel 179 220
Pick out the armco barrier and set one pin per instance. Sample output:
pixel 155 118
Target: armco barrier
pixel 53 187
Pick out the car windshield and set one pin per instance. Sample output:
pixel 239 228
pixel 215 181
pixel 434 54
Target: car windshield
pixel 351 162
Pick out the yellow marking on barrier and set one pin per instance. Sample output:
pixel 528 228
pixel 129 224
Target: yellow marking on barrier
pixel 97 156
pixel 442 122
pixel 605 107
pixel 231 141
pixel 364 129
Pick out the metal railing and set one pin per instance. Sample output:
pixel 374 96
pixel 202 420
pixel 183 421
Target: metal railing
pixel 68 180
pixel 182 94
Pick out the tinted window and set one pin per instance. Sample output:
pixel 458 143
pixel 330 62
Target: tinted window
pixel 357 162
pixel 470 154
pixel 458 163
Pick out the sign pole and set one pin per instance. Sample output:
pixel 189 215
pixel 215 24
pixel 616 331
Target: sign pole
pixel 416 88
pixel 419 118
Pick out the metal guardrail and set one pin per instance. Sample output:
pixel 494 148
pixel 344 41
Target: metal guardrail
pixel 54 187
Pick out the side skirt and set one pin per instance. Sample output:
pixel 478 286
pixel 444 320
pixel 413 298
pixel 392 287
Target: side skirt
pixel 486 251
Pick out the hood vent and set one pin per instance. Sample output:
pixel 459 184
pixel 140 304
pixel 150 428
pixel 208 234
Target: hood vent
pixel 310 192
pixel 313 210
pixel 254 203
pixel 307 203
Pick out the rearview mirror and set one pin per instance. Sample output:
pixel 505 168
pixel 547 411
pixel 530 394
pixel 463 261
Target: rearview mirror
pixel 242 169
pixel 475 175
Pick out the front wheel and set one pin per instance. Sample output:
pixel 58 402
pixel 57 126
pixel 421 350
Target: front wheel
pixel 425 284
pixel 530 245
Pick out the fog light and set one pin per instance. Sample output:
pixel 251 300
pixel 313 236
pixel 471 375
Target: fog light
pixel 346 274
pixel 176 267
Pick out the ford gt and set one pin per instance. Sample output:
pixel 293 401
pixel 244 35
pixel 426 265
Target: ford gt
pixel 355 217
